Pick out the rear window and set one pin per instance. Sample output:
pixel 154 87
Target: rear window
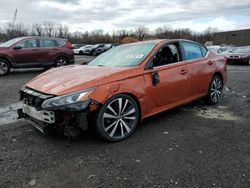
pixel 59 42
pixel 192 50
pixel 48 43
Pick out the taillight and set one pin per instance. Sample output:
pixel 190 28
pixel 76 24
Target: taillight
pixel 69 45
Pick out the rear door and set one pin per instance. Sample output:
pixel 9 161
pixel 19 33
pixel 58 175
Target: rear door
pixel 173 77
pixel 200 67
pixel 49 49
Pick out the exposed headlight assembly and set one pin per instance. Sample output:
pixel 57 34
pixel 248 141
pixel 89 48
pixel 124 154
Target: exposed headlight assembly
pixel 73 102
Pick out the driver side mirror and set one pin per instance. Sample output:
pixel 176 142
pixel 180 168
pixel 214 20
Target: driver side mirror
pixel 17 47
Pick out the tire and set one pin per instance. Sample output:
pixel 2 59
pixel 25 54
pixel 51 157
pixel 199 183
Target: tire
pixel 61 61
pixel 81 53
pixel 4 67
pixel 118 117
pixel 215 90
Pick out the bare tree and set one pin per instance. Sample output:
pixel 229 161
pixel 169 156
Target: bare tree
pixel 37 29
pixel 49 28
pixel 141 32
pixel 17 30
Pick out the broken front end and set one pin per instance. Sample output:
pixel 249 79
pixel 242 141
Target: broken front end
pixel 67 113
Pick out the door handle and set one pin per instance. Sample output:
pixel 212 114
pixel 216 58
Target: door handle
pixel 54 49
pixel 184 71
pixel 210 62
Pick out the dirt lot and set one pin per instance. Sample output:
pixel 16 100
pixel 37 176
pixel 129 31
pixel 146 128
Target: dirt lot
pixel 192 146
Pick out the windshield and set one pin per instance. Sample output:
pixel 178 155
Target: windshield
pixel 9 43
pixel 241 50
pixel 124 56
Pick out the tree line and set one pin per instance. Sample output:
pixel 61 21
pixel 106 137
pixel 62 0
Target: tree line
pixel 50 29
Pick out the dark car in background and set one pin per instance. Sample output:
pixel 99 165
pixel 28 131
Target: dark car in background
pixel 33 51
pixel 100 50
pixel 240 55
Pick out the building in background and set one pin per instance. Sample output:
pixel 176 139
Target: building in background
pixel 238 38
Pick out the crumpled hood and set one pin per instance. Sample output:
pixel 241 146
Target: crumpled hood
pixel 68 79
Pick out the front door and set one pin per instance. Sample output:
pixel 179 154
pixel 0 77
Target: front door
pixel 27 53
pixel 171 77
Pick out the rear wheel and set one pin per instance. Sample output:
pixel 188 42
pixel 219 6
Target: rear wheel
pixel 118 118
pixel 61 61
pixel 81 53
pixel 4 67
pixel 215 90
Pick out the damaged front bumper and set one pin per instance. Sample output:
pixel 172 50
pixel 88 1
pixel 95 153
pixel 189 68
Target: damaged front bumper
pixel 68 120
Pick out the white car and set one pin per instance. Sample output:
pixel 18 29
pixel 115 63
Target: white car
pixel 81 51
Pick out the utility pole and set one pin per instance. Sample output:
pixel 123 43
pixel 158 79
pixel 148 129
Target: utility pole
pixel 14 18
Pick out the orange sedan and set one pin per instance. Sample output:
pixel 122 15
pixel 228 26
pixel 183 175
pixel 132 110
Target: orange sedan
pixel 121 87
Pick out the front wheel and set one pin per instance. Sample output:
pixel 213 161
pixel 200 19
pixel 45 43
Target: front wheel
pixel 215 90
pixel 118 118
pixel 4 67
pixel 61 61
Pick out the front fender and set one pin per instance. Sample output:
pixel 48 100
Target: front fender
pixel 132 86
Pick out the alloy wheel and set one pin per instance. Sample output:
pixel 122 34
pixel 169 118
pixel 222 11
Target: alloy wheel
pixel 4 68
pixel 61 62
pixel 120 118
pixel 216 90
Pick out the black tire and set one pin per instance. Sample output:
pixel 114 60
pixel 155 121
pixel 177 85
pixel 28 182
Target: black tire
pixel 215 90
pixel 61 61
pixel 4 67
pixel 118 118
pixel 81 53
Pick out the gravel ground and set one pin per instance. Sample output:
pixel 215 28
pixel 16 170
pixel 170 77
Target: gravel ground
pixel 192 146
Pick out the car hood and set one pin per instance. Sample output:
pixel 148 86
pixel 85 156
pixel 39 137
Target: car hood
pixel 68 79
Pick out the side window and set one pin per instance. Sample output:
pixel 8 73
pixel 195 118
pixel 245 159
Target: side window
pixel 167 55
pixel 31 43
pixel 48 43
pixel 192 51
pixel 203 51
pixel 59 42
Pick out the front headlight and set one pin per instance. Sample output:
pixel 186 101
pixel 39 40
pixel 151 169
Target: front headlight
pixel 74 101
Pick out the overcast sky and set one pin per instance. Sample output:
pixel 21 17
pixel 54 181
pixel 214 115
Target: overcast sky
pixel 82 15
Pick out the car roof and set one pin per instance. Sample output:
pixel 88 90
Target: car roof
pixel 159 41
pixel 39 37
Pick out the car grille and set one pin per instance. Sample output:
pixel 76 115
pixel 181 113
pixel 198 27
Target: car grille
pixel 33 98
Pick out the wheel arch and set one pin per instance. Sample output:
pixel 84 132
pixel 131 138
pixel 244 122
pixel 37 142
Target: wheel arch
pixel 124 93
pixel 220 75
pixel 61 55
pixel 7 59
pixel 136 100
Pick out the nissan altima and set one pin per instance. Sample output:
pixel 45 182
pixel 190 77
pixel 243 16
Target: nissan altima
pixel 123 86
